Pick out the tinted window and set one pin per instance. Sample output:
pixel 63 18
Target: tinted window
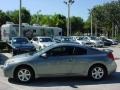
pixel 61 51
pixel 67 39
pixel 79 51
pixel 45 40
pixel 19 40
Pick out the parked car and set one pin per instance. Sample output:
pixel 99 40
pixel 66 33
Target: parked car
pixel 20 45
pixel 106 42
pixel 66 39
pixel 62 59
pixel 42 42
pixel 78 39
pixel 85 42
pixel 93 39
pixel 113 41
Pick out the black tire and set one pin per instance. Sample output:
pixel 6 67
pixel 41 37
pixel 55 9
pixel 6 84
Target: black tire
pixel 97 72
pixel 19 78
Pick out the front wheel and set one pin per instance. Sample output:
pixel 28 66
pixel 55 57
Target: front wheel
pixel 24 74
pixel 97 72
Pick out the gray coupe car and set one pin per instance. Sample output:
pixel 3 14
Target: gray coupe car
pixel 62 59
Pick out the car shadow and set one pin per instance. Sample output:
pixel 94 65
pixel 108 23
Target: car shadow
pixel 70 81
pixel 3 58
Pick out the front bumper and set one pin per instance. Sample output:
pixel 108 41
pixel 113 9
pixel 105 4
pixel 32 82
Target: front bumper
pixel 8 71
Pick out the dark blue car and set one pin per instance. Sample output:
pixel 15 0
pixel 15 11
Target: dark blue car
pixel 21 45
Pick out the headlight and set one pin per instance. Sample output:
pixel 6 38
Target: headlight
pixel 8 63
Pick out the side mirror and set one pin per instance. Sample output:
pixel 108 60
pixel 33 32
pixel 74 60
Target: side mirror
pixel 44 55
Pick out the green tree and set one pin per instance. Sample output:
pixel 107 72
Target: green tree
pixel 25 16
pixel 87 26
pixel 106 17
pixel 76 25
pixel 56 20
pixel 3 18
pixel 59 20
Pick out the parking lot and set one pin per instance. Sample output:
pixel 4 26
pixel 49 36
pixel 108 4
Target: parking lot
pixel 71 83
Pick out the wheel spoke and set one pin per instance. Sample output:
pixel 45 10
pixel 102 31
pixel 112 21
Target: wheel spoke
pixel 96 76
pixel 21 72
pixel 22 78
pixel 27 77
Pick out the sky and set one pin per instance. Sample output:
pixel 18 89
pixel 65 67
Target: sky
pixel 51 7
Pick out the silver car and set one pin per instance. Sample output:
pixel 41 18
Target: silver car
pixel 63 59
pixel 93 39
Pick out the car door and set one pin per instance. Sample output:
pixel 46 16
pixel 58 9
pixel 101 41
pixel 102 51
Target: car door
pixel 57 62
pixel 80 60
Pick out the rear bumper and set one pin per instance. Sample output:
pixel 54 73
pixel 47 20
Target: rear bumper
pixel 112 67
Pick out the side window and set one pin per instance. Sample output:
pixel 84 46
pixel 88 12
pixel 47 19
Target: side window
pixel 61 51
pixel 80 51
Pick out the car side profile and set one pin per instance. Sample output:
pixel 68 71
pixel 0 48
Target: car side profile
pixel 62 59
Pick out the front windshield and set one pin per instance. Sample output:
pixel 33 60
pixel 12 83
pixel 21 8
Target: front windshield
pixel 80 38
pixel 93 38
pixel 67 39
pixel 20 41
pixel 45 40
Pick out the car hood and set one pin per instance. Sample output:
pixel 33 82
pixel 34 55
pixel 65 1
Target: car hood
pixel 21 57
pixel 96 41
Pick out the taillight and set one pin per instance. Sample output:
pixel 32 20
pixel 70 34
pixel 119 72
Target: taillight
pixel 110 55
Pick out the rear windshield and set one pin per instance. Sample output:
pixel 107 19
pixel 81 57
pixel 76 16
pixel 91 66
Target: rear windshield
pixel 19 40
pixel 45 40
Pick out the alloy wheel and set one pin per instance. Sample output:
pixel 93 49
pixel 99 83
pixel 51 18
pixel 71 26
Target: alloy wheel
pixel 24 75
pixel 97 73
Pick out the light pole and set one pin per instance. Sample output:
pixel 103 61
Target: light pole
pixel 91 24
pixel 91 18
pixel 69 3
pixel 20 18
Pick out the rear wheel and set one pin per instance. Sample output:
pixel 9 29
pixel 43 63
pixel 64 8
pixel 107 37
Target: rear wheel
pixel 97 72
pixel 24 74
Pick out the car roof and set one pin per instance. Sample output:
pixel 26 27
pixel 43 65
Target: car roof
pixel 41 37
pixel 18 37
pixel 68 44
